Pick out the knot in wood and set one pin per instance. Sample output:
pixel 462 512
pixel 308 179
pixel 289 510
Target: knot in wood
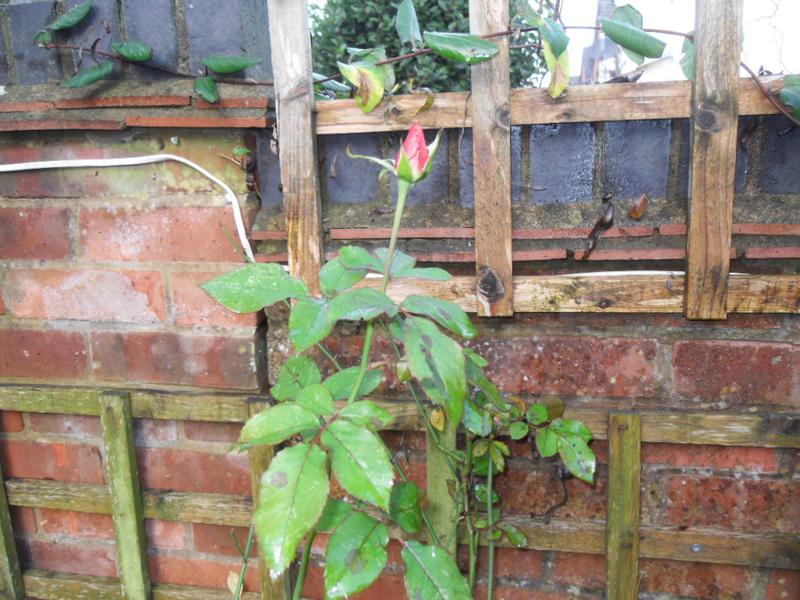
pixel 490 286
pixel 709 117
pixel 503 117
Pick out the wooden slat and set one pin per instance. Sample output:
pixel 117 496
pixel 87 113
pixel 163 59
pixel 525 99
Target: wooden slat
pixel 622 523
pixel 441 504
pixel 715 111
pixel 10 571
pixel 294 93
pixel 491 159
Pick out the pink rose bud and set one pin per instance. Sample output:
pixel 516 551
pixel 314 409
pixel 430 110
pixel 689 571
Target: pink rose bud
pixel 414 160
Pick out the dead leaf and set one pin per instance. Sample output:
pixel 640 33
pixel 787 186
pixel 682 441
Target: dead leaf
pixel 232 582
pixel 438 419
pixel 638 208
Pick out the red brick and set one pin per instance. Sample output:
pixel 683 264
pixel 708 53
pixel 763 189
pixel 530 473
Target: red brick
pixel 86 295
pixel 185 471
pixel 163 234
pixel 773 252
pixel 185 570
pixel 11 421
pixel 123 101
pixel 193 307
pixel 26 107
pixel 633 254
pixel 583 570
pixel 507 592
pixel 572 366
pixel 62 462
pixel 77 425
pixel 161 357
pixel 766 229
pixel 148 431
pixel 34 233
pixel 42 354
pixel 212 432
pixel 694 580
pixel 76 524
pixel 387 586
pixel 783 585
pixel 62 124
pixel 745 373
pixel 69 558
pixel 216 539
pixel 190 122
pixel 23 520
pixel 254 102
pixel 166 534
pixel 711 457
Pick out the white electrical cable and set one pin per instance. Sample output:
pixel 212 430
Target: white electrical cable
pixel 230 197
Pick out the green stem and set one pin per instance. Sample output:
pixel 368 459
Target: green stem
pixel 490 512
pixel 304 560
pixel 329 355
pixel 473 557
pixel 245 556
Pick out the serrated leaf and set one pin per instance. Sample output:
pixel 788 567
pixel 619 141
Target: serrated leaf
pixel 432 573
pixel 206 88
pixel 480 466
pixel 460 47
pixel 355 555
pixel 277 424
pixel 133 50
pixel 356 257
pixel 341 383
pixel 407 25
pixel 405 506
pixel 43 38
pixel 687 60
pixel 514 535
pixel 295 374
pixel 537 414
pixel 447 314
pixel 360 461
pixel 400 260
pixel 360 304
pixel 577 457
pixel 230 64
pixel 72 17
pixel 309 322
pixel 253 287
pixel 333 514
pixel 546 442
pixel 481 492
pixel 555 35
pixel 632 38
pixel 293 493
pixel 427 273
pixel 571 427
pixel 89 76
pixel 369 81
pixel 628 14
pixel 317 399
pixel 335 277
pixel 518 430
pixel 367 414
pixel 559 70
pixel 476 420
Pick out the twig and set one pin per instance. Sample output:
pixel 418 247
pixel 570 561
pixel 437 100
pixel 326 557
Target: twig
pixel 770 96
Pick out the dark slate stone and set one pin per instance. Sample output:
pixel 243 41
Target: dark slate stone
pixel 101 22
pixel 153 23
pixel 561 164
pixel 516 165
pixel 255 30
pixel 636 158
pixel 779 172
pixel 434 188
pixel 269 171
pixel 682 188
pixel 4 59
pixel 34 65
pixel 355 180
pixel 466 187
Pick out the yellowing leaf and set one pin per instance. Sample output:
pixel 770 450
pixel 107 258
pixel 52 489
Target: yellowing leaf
pixel 559 70
pixel 369 81
pixel 438 419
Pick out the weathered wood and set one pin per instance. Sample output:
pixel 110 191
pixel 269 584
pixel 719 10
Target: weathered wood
pixel 294 94
pixel 622 522
pixel 10 571
pixel 715 111
pixel 581 103
pixel 441 504
pixel 491 159
pixel 122 473
pixel 55 399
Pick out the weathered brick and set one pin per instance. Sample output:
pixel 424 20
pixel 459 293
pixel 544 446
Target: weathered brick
pixel 212 432
pixel 186 471
pixel 200 572
pixel 509 592
pixel 744 373
pixel 11 421
pixel 34 233
pixel 76 524
pixel 217 539
pixel 166 534
pixel 162 234
pixel 161 357
pixel 193 307
pixel 23 520
pixel 75 425
pixel 62 462
pixel 76 558
pixel 388 585
pixel 694 580
pixel 711 457
pixel 148 431
pixel 783 585
pixel 42 354
pixel 586 571
pixel 86 295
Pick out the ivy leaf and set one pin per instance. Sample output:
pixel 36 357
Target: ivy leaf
pixel 253 287
pixel 133 50
pixel 89 76
pixel 687 60
pixel 309 322
pixel 367 414
pixel 558 65
pixel 790 93
pixel 317 399
pixel 518 430
pixel 361 304
pixel 72 17
pixel 632 38
pixel 206 88
pixel 537 414
pixel 628 14
pixel 334 513
pixel 448 315
pixel 577 456
pixel 546 442
pixel 230 64
pixel 335 277
pixel 360 461
pixel 407 25
pixel 293 494
pixel 432 573
pixel 554 34
pixel 460 47
pixel 355 555
pixel 369 81
pixel 405 506
pixel 437 362
pixel 296 373
pixel 276 424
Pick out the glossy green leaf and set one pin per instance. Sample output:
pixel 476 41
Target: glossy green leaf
pixel 427 273
pixel 373 56
pixel 633 38
pixel 475 419
pixel 295 374
pixel 687 60
pixel 230 64
pixel 790 93
pixel 360 304
pixel 447 314
pixel 316 399
pixel 206 88
pixel 367 414
pixel 477 378
pixel 518 430
pixel 628 14
pixel 341 383
pixel 481 492
pixel 432 573
pixel 514 535
pixel 437 362
pixel 558 65
pixel 309 322
pixel 334 513
pixel 277 424
pixel 400 261
pixel 253 287
pixel 356 257
pixel 498 451
pixel 330 84
pixel 407 25
pixel 133 50
pixel 480 466
pixel 360 461
pixel 72 17
pixel 43 39
pixel 475 358
pixel 89 76
pixel 546 442
pixel 555 35
pixel 577 456
pixel 293 493
pixel 335 277
pixel 571 427
pixel 369 81
pixel 355 555
pixel 537 414
pixel 460 47
pixel 405 506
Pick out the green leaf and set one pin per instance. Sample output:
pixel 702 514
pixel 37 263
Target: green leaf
pixel 331 84
pixel 480 466
pixel 790 93
pixel 476 420
pixel 558 65
pixel 361 304
pixel 437 362
pixel 133 50
pixel 546 442
pixel 334 513
pixel 400 260
pixel 316 399
pixel 571 427
pixel 477 378
pixel 448 315
pixel 373 56
pixel 355 555
pixel 460 47
pixel 481 492
pixel 428 273
pixel 369 81
pixel 407 25
pixel 514 535
pixel 687 60
pixel 206 88
pixel 405 506
pixel 554 33
pixel 89 76
pixel 360 461
pixel 537 414
pixel 43 38
pixel 309 322
pixel 367 414
pixel 432 573
pixel 253 287
pixel 633 38
pixel 239 151
pixel 230 64
pixel 334 277
pixel 296 373
pixel 518 430
pixel 293 494
pixel 498 451
pixel 341 383
pixel 356 257
pixel 72 17
pixel 277 424
pixel 628 14
pixel 577 456
pixel 475 358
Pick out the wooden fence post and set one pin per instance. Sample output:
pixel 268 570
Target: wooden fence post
pixel 441 504
pixel 10 570
pixel 126 495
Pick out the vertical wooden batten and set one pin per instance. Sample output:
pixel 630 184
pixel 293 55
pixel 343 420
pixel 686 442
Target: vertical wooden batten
pixel 715 109
pixel 294 97
pixel 491 159
pixel 10 570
